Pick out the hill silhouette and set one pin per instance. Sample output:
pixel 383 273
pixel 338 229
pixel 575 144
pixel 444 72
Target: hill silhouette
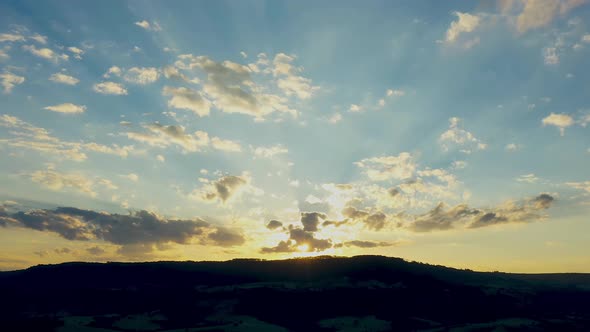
pixel 362 293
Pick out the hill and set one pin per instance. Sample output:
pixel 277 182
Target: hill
pixel 362 293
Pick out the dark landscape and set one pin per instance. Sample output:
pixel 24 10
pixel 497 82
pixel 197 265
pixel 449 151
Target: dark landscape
pixel 362 293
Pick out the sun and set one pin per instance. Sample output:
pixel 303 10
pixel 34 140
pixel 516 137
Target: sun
pixel 303 248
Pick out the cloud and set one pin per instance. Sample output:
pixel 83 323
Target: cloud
pixel 550 56
pixel 442 218
pixel 187 99
pixel 231 89
pixel 45 53
pixel 154 26
pixel 365 244
pixel 512 147
pixel 311 220
pixel 142 75
pixel 460 137
pixel 39 38
pixel 131 177
pixel 335 118
pixel 465 23
pixel 225 145
pixel 38 139
pixel 373 221
pixel 10 80
pixel 299 240
pixel 354 108
pixel 270 152
pixel 63 79
pixel 56 181
pixel 560 121
pixel 539 13
pixel 68 108
pixel 224 237
pixel 110 88
pixel 585 186
pixel 78 52
pixel 11 37
pixel 139 230
pixel 163 136
pixel 528 178
pixel 385 168
pixel 114 70
pixel 172 73
pixel 223 188
pixel 274 224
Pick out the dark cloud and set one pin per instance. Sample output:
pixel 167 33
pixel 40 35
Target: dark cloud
pixel 373 221
pixel 225 187
pixel 63 251
pixel 311 220
pixel 393 192
pixel 226 238
pixel 140 230
pixel 364 244
pixel 96 251
pixel 297 238
pixel 274 224
pixel 334 223
pixel 442 218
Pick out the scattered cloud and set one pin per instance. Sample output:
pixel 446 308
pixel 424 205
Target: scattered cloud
pixel 68 108
pixel 10 80
pixel 270 151
pixel 187 99
pixel 385 168
pixel 142 75
pixel 457 136
pixel 153 26
pixel 465 23
pixel 560 121
pixel 528 178
pixel 46 53
pixel 63 79
pixel 110 88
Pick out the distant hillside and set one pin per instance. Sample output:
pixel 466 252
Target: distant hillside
pixel 362 293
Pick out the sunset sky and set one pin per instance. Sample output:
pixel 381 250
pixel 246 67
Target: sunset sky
pixel 448 132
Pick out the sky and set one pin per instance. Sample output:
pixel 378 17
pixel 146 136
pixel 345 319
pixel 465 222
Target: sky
pixel 447 132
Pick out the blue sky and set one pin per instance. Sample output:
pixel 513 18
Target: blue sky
pixel 436 131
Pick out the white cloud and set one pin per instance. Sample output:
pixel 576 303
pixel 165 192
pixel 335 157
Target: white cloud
pixel 11 37
pixel 584 186
pixel 78 52
pixel 39 38
pixel 465 23
pixel 64 79
pixel 163 136
pixel 270 152
pixel 57 181
pixel 188 99
pixel 67 108
pixel 398 167
pixel 45 53
pixel 140 75
pixel 539 13
pixel 225 145
pixel 154 26
pixel 560 121
pixel 550 56
pixel 10 80
pixel 586 38
pixel 395 93
pixel 512 147
pixel 160 158
pixel 528 178
pixel 38 139
pixel 114 70
pixel 231 89
pixel 460 137
pixel 110 88
pixel 131 177
pixel 355 108
pixel 335 118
